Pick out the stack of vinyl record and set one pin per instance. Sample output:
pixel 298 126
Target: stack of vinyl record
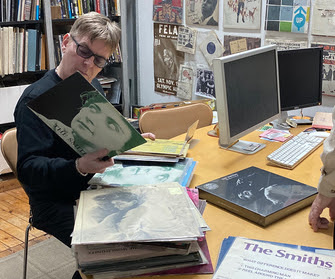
pixel 127 231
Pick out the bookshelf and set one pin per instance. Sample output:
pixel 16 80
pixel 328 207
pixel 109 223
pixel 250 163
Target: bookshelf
pixel 16 82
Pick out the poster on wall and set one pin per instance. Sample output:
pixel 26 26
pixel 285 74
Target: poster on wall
pixel 287 16
pixel 323 18
pixel 242 14
pixel 285 44
pixel 168 11
pixel 167 59
pixel 328 77
pixel 205 84
pixel 235 44
pixel 202 12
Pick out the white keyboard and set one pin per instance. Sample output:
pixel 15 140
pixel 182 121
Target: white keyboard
pixel 293 152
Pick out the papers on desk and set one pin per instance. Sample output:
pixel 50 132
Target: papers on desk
pixel 276 135
pixel 126 231
pixel 241 258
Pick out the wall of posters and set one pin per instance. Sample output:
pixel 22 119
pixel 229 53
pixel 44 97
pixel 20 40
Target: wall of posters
pixel 289 24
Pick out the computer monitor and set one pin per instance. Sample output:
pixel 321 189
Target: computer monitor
pixel 300 80
pixel 247 93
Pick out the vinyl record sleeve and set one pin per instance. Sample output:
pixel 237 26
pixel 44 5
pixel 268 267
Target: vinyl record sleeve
pixel 258 195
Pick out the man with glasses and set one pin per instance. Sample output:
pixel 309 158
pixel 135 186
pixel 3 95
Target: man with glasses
pixel 48 168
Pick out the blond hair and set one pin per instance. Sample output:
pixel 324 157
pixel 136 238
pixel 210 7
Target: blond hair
pixel 96 26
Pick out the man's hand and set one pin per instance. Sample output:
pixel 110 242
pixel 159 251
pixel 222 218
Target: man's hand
pixel 93 163
pixel 320 203
pixel 149 136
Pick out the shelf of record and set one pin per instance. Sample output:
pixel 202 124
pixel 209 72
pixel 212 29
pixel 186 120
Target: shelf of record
pixel 22 50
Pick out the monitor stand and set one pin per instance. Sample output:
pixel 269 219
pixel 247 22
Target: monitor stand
pixel 280 123
pixel 246 147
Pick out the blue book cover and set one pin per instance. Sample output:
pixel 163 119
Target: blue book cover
pixel 32 44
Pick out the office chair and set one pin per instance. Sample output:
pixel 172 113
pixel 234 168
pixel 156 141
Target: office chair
pixel 170 122
pixel 9 151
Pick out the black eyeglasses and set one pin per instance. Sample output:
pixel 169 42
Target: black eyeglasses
pixel 85 52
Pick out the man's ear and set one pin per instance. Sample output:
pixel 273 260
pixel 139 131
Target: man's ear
pixel 66 40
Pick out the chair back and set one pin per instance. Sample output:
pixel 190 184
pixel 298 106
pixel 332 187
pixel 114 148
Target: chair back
pixel 170 122
pixel 9 148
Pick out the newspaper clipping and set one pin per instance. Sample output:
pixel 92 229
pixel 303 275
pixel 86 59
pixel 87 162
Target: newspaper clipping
pixel 187 38
pixel 285 44
pixel 328 77
pixel 167 59
pixel 202 12
pixel 169 11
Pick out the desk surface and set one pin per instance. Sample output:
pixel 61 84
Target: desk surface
pixel 214 162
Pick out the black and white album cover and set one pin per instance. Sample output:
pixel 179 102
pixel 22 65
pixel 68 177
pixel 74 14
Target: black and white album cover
pixel 258 195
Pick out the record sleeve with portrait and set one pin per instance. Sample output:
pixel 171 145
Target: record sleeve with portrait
pixel 77 112
pixel 258 195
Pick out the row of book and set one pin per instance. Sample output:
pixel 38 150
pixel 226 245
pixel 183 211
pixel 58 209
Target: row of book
pixel 20 10
pixel 75 8
pixel 250 258
pixel 22 50
pixel 116 56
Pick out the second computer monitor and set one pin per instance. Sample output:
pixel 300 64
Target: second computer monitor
pixel 300 78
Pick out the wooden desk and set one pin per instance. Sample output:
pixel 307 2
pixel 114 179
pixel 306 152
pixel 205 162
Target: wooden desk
pixel 214 162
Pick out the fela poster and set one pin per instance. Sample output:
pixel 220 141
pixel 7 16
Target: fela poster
pixel 167 59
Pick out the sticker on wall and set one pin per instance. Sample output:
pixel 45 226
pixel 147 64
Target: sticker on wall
pixel 287 15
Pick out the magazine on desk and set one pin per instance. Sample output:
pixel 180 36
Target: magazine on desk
pixel 83 117
pixel 241 258
pixel 258 195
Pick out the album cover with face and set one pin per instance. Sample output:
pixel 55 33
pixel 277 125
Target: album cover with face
pixel 77 112
pixel 258 195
